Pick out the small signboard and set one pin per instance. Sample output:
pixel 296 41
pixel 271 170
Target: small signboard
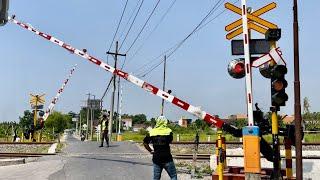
pixel 257 46
pixel 74 119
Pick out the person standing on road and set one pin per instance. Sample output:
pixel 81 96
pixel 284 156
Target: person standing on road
pixel 161 136
pixel 104 129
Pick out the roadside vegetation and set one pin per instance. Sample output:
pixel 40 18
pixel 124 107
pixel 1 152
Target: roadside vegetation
pixel 56 123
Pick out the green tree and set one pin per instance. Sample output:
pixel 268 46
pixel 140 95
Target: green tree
pixel 139 119
pixel 26 120
pixel 59 122
pixel 240 123
pixel 312 121
pixel 6 129
pixel 153 122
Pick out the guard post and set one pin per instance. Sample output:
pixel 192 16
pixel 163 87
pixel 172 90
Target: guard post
pixel 251 149
pixel 220 155
pixel 288 154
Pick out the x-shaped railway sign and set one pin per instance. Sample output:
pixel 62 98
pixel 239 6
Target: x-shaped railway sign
pixel 255 22
pixel 37 99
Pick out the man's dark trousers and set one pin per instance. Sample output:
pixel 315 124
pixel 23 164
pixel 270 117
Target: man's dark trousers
pixel 105 137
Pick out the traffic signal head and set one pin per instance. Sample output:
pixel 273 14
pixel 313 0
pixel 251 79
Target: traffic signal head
pixel 278 85
pixel 273 34
pixel 265 70
pixel 236 68
pixel 4 7
pixel 41 113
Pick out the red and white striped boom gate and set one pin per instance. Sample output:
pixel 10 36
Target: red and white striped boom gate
pixel 55 99
pixel 210 119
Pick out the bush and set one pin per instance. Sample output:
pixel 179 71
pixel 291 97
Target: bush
pixel 143 132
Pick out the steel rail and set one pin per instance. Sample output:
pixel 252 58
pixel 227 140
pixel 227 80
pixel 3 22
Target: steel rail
pixel 238 143
pixel 207 156
pixel 26 143
pixel 25 154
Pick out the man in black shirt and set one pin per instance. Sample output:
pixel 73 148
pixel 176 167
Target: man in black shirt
pixel 161 136
pixel 104 129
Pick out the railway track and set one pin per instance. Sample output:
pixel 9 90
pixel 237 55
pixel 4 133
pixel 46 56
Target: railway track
pixel 25 143
pixel 237 143
pixel 5 155
pixel 207 156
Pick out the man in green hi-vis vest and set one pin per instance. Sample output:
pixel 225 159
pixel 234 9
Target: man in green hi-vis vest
pixel 160 137
pixel 104 129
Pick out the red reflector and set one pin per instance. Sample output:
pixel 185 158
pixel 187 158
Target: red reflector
pixel 239 68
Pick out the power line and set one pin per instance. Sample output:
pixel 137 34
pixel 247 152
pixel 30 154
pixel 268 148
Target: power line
pixel 178 45
pixel 134 19
pixel 115 34
pixel 131 15
pixel 143 75
pixel 107 89
pixel 153 30
pixel 215 17
pixel 214 8
pixel 152 60
pixel 145 24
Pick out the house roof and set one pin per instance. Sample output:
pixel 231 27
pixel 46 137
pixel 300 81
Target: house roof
pixel 288 119
pixel 126 119
pixel 139 126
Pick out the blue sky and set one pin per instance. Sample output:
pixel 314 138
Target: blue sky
pixel 197 72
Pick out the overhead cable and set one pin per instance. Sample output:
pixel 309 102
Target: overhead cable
pixel 145 24
pixel 115 33
pixel 134 19
pixel 178 45
pixel 153 30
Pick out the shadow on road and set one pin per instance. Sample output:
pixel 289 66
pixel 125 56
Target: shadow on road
pixel 114 160
pixel 110 146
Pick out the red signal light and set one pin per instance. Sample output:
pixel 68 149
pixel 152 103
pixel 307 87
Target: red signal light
pixel 236 68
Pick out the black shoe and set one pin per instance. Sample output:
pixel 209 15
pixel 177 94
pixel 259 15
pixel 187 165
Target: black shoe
pixel 100 146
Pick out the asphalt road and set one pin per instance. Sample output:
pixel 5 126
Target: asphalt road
pixel 85 160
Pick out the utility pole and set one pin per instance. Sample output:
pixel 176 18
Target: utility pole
pixel 80 127
pixel 87 129
pixel 92 117
pixel 120 108
pixel 116 54
pixel 297 105
pixel 118 103
pixel 164 82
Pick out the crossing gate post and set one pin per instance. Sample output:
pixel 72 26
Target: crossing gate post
pixel 251 139
pixel 220 155
pixel 224 147
pixel 275 144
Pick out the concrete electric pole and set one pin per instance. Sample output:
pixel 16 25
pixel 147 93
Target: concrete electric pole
pixel 116 54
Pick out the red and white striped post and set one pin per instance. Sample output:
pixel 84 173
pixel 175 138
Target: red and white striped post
pixel 55 99
pixel 251 138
